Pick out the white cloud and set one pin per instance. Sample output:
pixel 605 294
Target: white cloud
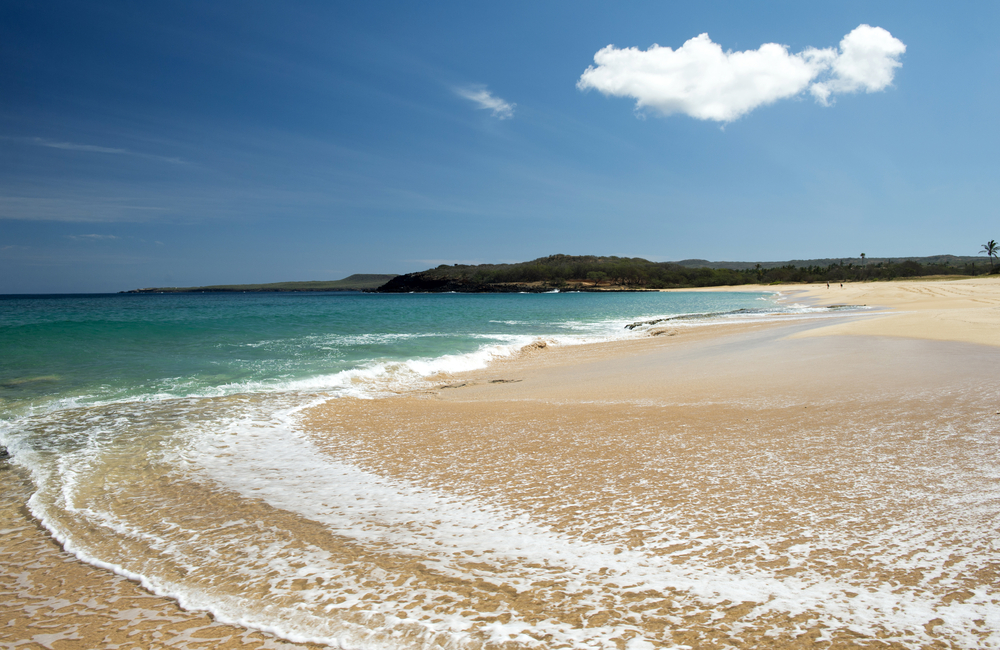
pixel 701 80
pixel 484 99
pixel 867 61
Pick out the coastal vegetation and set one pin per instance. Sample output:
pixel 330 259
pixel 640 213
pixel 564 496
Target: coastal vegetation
pixel 588 272
pixel 991 250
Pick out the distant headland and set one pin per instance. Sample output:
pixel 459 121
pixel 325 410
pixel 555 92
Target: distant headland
pixel 356 282
pixel 609 273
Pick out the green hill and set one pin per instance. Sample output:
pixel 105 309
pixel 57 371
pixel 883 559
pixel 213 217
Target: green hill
pixel 593 273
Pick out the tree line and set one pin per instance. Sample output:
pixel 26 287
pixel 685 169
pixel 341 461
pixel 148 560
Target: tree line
pixel 635 273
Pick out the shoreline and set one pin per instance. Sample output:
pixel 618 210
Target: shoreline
pixel 726 448
pixel 535 434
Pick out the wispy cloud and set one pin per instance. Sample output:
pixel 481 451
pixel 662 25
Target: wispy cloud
pixel 92 237
pixel 71 146
pixel 71 206
pixel 74 146
pixel 484 99
pixel 701 80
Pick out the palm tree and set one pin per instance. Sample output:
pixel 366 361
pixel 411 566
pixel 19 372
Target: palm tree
pixel 862 259
pixel 992 250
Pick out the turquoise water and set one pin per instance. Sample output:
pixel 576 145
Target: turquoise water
pixel 101 348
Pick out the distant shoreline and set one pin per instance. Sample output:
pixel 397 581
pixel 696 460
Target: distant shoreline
pixel 166 290
pixel 610 273
pixel 356 282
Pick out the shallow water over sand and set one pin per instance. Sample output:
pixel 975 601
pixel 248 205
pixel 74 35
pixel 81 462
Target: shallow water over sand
pixel 762 515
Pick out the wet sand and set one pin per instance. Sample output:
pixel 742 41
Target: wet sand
pixel 48 599
pixel 792 485
pixel 819 486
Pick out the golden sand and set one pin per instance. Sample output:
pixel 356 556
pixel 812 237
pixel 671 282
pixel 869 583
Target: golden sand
pixel 942 310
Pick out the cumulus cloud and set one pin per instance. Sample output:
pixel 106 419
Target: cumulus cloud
pixel 483 98
pixel 867 61
pixel 701 80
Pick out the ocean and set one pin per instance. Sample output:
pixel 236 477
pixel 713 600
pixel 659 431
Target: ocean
pixel 163 439
pixel 81 350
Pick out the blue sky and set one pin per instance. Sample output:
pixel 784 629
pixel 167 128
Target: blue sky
pixel 153 144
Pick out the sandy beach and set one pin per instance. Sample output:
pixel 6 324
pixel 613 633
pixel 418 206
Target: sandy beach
pixel 941 310
pixel 804 483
